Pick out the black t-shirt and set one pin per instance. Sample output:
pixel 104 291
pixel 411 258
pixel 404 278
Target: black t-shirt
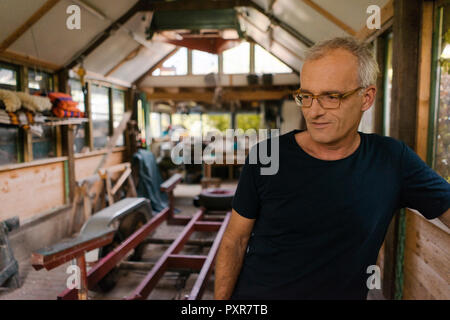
pixel 320 224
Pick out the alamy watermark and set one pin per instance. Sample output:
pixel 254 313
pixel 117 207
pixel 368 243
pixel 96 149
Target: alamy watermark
pixel 73 21
pixel 230 148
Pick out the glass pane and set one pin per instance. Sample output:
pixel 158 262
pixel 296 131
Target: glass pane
pixel 8 145
pixel 44 147
pixel 442 156
pixel 189 124
pixel 39 81
pixel 216 122
pixel 246 121
pixel 237 59
pixel 100 115
pixel 155 124
pixel 77 94
pixel 165 123
pixel 204 62
pixel 118 111
pixel 8 77
pixel 173 66
pixel 265 62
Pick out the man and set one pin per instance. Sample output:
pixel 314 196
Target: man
pixel 311 230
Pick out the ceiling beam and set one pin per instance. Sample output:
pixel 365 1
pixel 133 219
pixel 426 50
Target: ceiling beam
pixel 331 17
pixel 387 14
pixel 46 7
pixel 274 20
pixel 194 5
pixel 129 57
pixel 14 57
pixel 227 95
pixel 155 66
pixel 100 38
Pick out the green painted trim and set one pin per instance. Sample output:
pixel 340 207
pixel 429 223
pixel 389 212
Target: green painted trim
pixel 434 93
pixel 398 295
pixel 66 181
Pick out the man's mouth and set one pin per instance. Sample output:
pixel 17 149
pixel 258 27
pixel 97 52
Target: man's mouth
pixel 320 125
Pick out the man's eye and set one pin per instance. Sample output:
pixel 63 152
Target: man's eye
pixel 305 96
pixel 332 97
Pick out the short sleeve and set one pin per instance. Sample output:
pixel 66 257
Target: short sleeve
pixel 422 188
pixel 246 200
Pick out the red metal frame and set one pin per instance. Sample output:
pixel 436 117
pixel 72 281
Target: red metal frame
pixel 170 259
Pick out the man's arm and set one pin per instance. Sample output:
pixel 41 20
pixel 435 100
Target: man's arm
pixel 231 255
pixel 445 218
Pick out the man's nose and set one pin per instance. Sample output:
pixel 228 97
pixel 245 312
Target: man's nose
pixel 316 109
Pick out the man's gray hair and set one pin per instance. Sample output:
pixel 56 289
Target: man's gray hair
pixel 368 66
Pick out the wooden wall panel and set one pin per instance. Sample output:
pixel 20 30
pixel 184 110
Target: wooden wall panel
pixel 427 260
pixel 85 166
pixel 27 192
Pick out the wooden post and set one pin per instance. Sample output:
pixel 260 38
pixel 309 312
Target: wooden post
pixel 89 127
pixel 68 143
pixel 381 52
pixel 83 291
pixel 405 63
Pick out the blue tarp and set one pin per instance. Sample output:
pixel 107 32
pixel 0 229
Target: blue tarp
pixel 150 180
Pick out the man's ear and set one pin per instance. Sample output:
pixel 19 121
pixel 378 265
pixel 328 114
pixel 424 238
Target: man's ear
pixel 368 97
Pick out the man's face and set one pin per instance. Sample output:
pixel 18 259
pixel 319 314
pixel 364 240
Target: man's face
pixel 335 72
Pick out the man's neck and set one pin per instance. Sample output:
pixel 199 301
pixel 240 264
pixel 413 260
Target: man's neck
pixel 335 150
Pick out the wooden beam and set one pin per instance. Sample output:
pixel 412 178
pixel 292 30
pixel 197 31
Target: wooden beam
pixel 155 66
pixel 194 5
pixel 14 57
pixel 227 95
pixel 100 38
pixel 387 13
pixel 274 20
pixel 331 17
pixel 402 123
pixel 129 57
pixel 46 7
pixel 423 103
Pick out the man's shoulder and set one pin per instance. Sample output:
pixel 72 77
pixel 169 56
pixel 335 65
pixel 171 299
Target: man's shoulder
pixel 383 143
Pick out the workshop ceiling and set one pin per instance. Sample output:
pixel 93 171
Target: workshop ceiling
pixel 128 49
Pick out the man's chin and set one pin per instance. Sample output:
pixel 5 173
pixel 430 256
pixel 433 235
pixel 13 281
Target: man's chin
pixel 320 136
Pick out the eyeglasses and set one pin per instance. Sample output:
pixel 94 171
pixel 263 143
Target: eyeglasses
pixel 326 101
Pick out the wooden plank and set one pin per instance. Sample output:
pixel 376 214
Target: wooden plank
pixel 330 17
pixel 387 13
pixel 129 57
pixel 428 277
pixel 46 7
pixel 423 109
pixel 381 52
pixel 29 61
pixel 69 140
pixel 27 192
pixel 89 129
pixel 100 38
pixel 158 64
pixel 121 180
pixel 413 288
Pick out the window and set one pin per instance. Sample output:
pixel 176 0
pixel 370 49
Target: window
pixel 76 91
pixel 165 122
pixel 442 115
pixel 265 62
pixel 39 81
pixel 188 123
pixel 9 77
pixel 216 122
pixel 8 145
pixel 247 121
pixel 155 124
pixel 174 66
pixel 237 59
pixel 204 62
pixel 118 111
pixel 44 146
pixel 100 115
